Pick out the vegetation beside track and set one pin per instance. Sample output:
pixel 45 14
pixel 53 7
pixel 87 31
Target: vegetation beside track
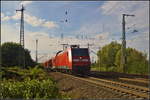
pixel 11 55
pixel 109 58
pixel 27 84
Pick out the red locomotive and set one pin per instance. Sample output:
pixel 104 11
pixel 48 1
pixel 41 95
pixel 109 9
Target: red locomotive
pixel 73 59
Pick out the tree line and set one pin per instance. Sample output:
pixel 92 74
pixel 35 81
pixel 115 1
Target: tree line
pixel 11 55
pixel 109 58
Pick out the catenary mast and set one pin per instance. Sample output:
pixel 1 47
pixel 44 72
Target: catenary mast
pixel 22 53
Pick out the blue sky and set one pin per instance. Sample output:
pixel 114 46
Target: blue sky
pixel 78 13
pixel 98 22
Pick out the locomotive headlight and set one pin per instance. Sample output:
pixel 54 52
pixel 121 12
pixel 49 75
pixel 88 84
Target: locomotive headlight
pixel 85 60
pixel 75 60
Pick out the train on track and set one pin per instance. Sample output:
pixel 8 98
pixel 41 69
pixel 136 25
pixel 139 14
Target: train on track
pixel 73 59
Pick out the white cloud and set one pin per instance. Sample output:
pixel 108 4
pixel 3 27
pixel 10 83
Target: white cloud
pixel 50 24
pixel 140 42
pixel 120 7
pixel 95 34
pixel 16 16
pixel 141 20
pixel 108 6
pixel 9 33
pixel 35 21
pixel 139 8
pixel 4 18
pixel 47 47
pixel 103 36
pixel 32 20
pixel 90 28
pixel 2 15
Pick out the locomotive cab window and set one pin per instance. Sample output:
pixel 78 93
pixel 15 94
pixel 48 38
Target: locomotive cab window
pixel 80 52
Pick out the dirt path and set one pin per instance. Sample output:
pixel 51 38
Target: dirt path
pixel 78 89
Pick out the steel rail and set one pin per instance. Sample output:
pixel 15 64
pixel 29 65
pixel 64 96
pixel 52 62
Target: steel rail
pixel 123 84
pixel 135 80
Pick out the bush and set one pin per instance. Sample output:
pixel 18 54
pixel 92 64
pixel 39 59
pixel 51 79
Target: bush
pixel 29 89
pixel 18 74
pixel 27 84
pixel 37 73
pixel 109 59
pixel 136 62
pixel 106 56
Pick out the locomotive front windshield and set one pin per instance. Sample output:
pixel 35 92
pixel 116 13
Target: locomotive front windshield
pixel 80 52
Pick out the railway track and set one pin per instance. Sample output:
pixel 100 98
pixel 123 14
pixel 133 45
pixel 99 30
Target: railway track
pixel 145 81
pixel 122 88
pixel 137 91
pixel 120 77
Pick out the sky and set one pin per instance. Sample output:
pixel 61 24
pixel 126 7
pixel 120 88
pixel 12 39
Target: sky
pixel 94 22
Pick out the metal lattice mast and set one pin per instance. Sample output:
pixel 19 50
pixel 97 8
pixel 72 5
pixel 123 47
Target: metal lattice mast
pixel 22 53
pixel 22 26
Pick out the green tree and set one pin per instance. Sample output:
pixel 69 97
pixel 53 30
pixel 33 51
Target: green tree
pixel 136 61
pixel 11 55
pixel 106 56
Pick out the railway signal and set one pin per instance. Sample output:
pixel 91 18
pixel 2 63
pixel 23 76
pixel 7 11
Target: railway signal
pixel 123 47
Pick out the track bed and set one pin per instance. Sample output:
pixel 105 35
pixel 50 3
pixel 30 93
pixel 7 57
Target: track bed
pixel 79 87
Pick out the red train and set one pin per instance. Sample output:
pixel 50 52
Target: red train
pixel 73 59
